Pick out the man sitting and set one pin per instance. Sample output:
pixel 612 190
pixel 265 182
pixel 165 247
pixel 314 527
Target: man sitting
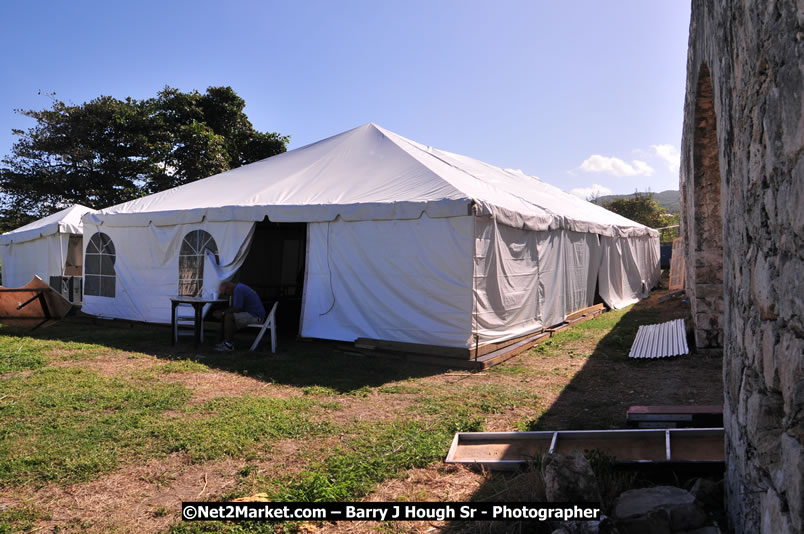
pixel 246 309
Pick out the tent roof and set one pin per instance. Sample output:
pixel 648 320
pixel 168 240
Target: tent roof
pixel 369 173
pixel 66 221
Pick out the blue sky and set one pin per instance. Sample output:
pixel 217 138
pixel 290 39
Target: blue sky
pixel 581 94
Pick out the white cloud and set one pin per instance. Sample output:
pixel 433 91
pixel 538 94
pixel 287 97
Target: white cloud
pixel 596 190
pixel 670 154
pixel 642 168
pixel 616 166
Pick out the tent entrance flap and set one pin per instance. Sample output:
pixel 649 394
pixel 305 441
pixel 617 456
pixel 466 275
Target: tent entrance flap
pixel 274 268
pixel 74 262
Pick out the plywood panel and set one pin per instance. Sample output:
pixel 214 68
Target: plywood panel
pixel 678 271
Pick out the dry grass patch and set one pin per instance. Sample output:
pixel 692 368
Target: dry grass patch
pixel 209 385
pixel 136 498
pixel 377 407
pixel 107 364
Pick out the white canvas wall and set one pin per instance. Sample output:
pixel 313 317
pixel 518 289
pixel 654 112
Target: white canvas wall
pixel 629 269
pixel 408 280
pixel 645 251
pixel 506 272
pixel 569 264
pixel 43 257
pixel 147 266
pixel 526 280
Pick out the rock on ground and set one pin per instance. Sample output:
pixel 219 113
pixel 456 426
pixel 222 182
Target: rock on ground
pixel 569 478
pixel 657 510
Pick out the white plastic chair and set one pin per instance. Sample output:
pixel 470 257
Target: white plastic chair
pixel 269 323
pixel 185 317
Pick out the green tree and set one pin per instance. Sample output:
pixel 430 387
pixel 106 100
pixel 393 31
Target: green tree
pixel 642 208
pixel 108 151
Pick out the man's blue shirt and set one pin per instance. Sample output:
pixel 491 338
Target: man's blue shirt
pixel 245 299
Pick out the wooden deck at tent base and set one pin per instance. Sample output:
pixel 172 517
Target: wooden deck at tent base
pixel 676 447
pixel 474 358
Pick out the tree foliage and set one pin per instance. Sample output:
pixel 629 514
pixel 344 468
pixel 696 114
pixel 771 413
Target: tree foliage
pixel 108 151
pixel 642 208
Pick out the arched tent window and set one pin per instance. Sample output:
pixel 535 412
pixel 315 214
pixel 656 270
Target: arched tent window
pixel 191 261
pixel 99 276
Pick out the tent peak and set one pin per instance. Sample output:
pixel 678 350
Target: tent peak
pixel 67 220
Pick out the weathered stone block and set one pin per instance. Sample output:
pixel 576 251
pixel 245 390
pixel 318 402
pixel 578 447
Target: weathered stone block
pixel 657 506
pixel 791 371
pixel 733 365
pixel 789 278
pixel 708 493
pixel 770 370
pixel 795 196
pixel 709 291
pixel 774 520
pixel 792 483
pixel 763 414
pixel 569 478
pixel 762 291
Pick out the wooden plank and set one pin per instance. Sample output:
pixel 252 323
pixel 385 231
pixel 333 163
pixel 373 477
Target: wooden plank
pixel 481 363
pixel 507 353
pixel 585 311
pixel 489 354
pixel 696 416
pixel 677 409
pixel 558 328
pixel 677 265
pixel 453 363
pixel 469 353
pixel 413 348
pixel 487 348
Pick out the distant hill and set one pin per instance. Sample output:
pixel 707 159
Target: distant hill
pixel 669 200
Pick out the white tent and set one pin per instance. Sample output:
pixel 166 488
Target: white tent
pixel 404 243
pixel 50 246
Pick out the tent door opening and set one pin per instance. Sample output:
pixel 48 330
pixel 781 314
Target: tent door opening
pixel 69 284
pixel 74 262
pixel 274 268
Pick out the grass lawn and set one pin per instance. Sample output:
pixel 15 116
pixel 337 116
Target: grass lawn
pixel 109 429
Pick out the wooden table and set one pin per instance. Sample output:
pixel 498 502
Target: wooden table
pixel 198 304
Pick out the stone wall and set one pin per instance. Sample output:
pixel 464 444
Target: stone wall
pixel 742 184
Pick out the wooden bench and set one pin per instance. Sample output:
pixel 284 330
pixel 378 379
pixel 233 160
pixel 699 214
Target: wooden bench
pixel 690 416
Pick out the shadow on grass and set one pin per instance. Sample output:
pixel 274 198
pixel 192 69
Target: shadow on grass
pixel 609 382
pixel 296 363
pixel 601 391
